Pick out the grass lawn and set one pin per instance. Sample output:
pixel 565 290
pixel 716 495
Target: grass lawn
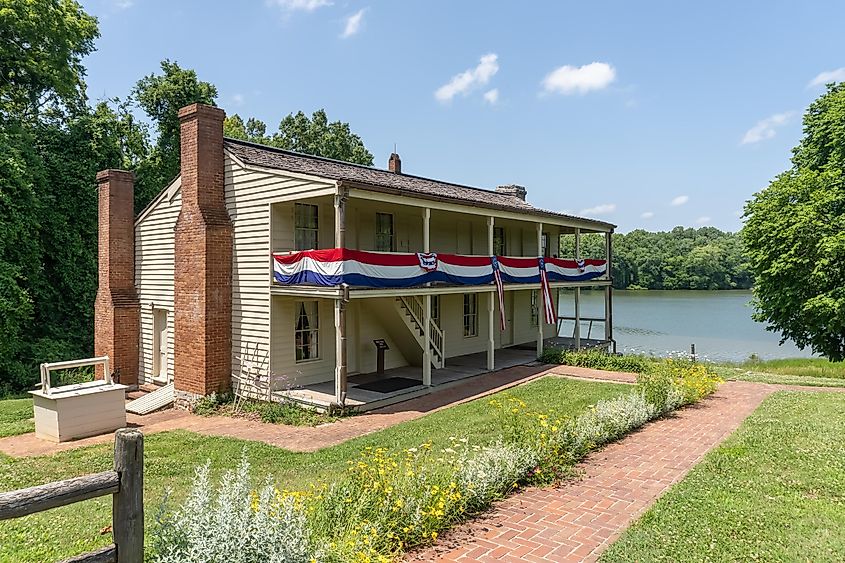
pixel 774 491
pixel 170 459
pixel 16 417
pixel 817 372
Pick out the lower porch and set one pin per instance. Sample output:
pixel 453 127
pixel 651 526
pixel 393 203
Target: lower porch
pixel 373 390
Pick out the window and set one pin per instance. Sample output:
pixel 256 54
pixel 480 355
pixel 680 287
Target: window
pixel 499 248
pixel 385 241
pixel 306 226
pixel 535 312
pixel 307 333
pixel 470 314
pixel 545 243
pixel 435 309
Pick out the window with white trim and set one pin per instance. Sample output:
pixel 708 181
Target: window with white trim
pixel 385 241
pixel 306 226
pixel 307 331
pixel 470 314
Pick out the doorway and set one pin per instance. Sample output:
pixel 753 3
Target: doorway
pixel 507 334
pixel 160 343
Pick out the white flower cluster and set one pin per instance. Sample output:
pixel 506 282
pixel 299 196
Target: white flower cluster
pixel 232 524
pixel 610 419
pixel 493 471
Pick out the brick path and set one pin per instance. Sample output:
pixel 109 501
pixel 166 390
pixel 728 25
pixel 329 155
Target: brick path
pixel 577 521
pixel 295 438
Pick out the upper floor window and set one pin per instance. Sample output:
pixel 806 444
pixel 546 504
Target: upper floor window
pixel 306 226
pixel 435 309
pixel 545 243
pixel 307 332
pixel 470 314
pixel 499 247
pixel 385 239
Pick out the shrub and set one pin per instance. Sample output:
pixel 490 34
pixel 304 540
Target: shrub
pixel 673 383
pixel 211 404
pixel 611 419
pixel 494 471
pixel 233 524
pixel 597 359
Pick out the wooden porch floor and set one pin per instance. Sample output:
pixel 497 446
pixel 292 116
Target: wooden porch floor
pixel 321 395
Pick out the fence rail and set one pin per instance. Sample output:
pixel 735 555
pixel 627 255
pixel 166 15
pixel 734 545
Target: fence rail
pixel 125 483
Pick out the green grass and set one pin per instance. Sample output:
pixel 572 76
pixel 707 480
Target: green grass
pixel 170 459
pixel 816 372
pixel 16 417
pixel 774 491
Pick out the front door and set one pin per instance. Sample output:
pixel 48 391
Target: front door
pixel 507 334
pixel 160 345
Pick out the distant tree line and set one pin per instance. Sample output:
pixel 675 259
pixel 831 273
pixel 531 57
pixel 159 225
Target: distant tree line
pixel 683 258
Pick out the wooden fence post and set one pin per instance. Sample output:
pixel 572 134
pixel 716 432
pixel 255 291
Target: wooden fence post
pixel 128 502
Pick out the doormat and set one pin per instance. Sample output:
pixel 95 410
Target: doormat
pixel 389 384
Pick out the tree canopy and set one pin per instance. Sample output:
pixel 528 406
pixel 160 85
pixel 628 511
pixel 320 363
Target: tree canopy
pixel 297 132
pixel 795 235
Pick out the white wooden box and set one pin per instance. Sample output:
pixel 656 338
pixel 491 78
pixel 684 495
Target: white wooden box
pixel 77 411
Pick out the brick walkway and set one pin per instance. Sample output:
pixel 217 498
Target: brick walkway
pixel 576 522
pixel 295 438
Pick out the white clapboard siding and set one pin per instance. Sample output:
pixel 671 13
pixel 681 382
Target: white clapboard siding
pixel 154 261
pixel 249 194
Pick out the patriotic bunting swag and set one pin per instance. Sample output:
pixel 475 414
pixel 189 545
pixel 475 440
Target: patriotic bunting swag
pixel 358 268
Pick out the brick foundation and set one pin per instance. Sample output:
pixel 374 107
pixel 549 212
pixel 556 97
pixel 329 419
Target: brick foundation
pixel 203 259
pixel 116 307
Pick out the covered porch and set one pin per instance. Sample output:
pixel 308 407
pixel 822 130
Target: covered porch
pixel 373 390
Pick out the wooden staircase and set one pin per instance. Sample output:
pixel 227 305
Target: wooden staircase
pixel 412 312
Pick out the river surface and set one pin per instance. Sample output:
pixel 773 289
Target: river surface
pixel 665 323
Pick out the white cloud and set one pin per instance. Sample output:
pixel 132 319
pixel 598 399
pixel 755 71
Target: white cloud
pixel 680 200
pixel 702 220
pixel 470 79
pixel 647 215
pixel 238 99
pixel 492 96
pixel 836 75
pixel 601 209
pixel 299 5
pixel 579 79
pixel 353 24
pixel 765 128
pixel 123 4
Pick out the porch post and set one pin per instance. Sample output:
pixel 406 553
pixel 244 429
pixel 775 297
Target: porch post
pixel 577 332
pixel 426 357
pixel 340 303
pixel 491 335
pixel 541 324
pixel 426 229
pixel 608 292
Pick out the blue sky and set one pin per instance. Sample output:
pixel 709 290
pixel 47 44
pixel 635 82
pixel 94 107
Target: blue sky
pixel 645 114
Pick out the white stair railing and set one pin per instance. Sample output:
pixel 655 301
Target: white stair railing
pixel 416 313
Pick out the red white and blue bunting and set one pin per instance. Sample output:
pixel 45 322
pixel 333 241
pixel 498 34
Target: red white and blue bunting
pixel 358 268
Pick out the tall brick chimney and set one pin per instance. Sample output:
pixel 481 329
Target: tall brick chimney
pixel 116 307
pixel 203 254
pixel 394 164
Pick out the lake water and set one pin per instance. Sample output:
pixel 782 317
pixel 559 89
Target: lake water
pixel 665 322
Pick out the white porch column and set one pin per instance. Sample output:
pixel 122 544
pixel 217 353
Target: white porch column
pixel 426 359
pixel 491 317
pixel 340 386
pixel 577 332
pixel 541 318
pixel 608 291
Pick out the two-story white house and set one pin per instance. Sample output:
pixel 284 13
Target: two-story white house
pixel 344 284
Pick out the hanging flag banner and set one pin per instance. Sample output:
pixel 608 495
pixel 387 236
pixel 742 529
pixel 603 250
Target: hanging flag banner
pixel 358 268
pixel 548 304
pixel 500 290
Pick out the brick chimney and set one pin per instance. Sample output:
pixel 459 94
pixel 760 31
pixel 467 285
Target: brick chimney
pixel 116 307
pixel 394 164
pixel 203 259
pixel 513 190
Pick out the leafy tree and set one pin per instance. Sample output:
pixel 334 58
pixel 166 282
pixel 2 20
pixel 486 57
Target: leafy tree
pixel 319 137
pixel 41 49
pixel 795 235
pixel 161 96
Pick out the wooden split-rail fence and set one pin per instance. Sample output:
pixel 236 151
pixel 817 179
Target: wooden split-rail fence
pixel 126 485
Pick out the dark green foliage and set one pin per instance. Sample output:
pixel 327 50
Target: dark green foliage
pixel 795 236
pixel 683 258
pixel 597 359
pixel 298 132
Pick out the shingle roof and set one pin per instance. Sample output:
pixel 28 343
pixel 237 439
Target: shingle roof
pixel 368 177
